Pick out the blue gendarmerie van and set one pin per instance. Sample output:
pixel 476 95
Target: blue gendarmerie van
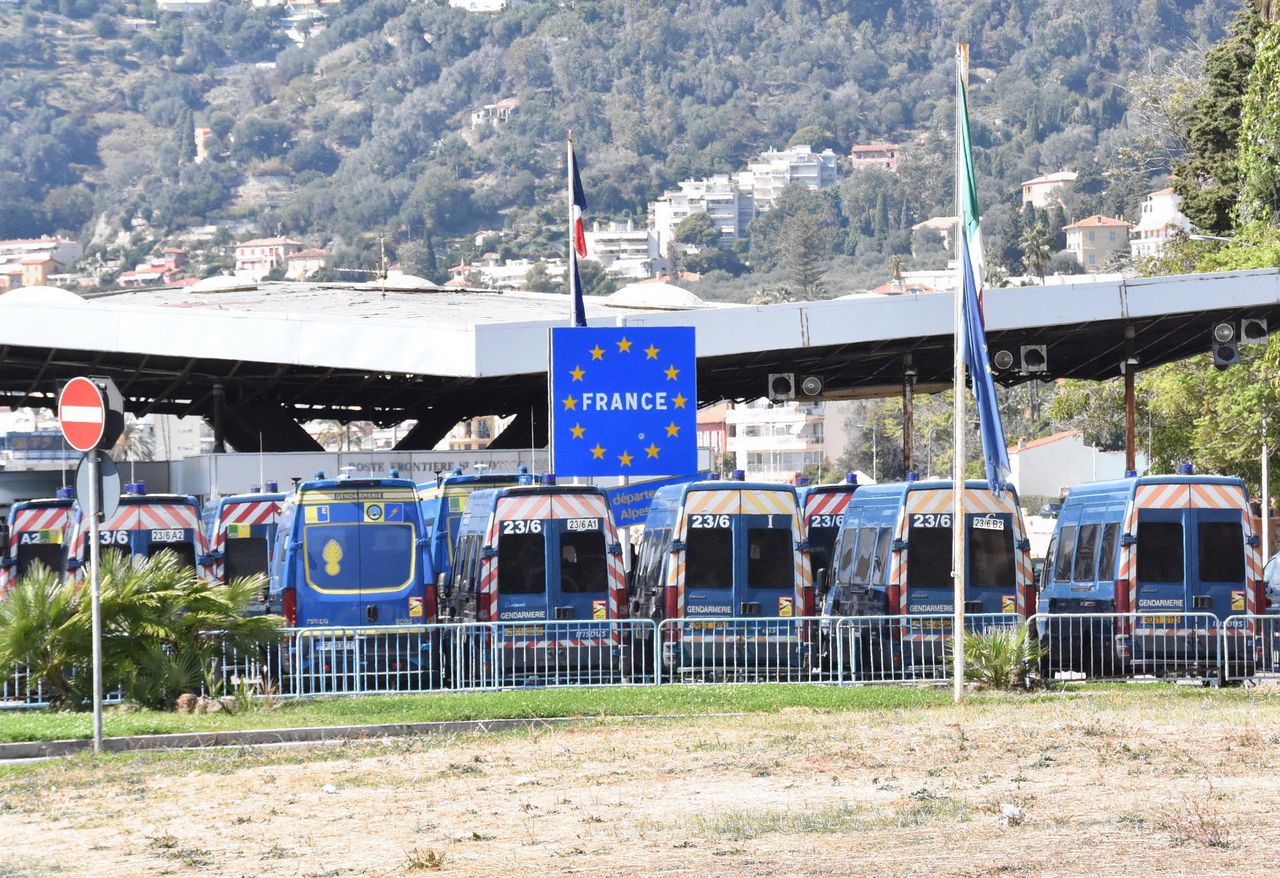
pixel 1173 556
pixel 348 574
pixel 893 562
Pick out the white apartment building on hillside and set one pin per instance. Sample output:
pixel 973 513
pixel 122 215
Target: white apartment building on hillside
pixel 622 249
pixel 775 442
pixel 776 169
pixel 731 209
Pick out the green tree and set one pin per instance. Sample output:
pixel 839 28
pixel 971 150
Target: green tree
pixel 699 230
pixel 1209 178
pixel 1259 142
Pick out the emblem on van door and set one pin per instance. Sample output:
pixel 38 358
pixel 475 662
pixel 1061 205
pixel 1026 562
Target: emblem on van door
pixel 1237 601
pixel 332 555
pixel 599 610
pixel 786 607
pixel 415 608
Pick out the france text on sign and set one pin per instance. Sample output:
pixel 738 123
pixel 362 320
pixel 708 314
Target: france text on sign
pixel 623 401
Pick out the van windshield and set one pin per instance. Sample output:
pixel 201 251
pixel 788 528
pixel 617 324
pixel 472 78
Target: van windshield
pixel 770 560
pixel 582 562
pixel 929 556
pixel 990 555
pixel 522 563
pixel 244 557
pixel 709 558
pixel 48 554
pixel 1221 551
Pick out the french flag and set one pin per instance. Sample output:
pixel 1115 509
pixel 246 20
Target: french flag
pixel 577 236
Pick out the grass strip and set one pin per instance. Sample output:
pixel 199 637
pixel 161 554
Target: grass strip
pixel 46 725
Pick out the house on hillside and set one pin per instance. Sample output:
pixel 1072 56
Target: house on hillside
pixel 1041 192
pixel 257 258
pixel 1161 218
pixel 304 262
pixel 875 155
pixel 1094 241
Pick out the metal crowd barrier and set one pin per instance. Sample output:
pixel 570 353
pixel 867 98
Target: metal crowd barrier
pixel 1250 646
pixel 1101 646
pixel 846 650
pixel 774 649
pixel 423 658
pixel 899 649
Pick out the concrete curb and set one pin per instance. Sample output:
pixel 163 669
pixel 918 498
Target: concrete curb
pixel 251 737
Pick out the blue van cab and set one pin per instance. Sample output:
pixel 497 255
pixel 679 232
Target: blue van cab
pixel 1179 551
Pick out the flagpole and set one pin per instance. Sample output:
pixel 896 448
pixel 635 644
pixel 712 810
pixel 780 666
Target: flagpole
pixel 957 392
pixel 573 255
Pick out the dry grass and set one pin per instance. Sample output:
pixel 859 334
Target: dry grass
pixel 1144 781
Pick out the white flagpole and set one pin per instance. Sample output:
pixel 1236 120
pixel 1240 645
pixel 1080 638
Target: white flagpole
pixel 957 390
pixel 573 253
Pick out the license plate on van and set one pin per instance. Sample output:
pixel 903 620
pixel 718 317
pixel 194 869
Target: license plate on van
pixel 166 536
pixel 1160 620
pixel 582 523
pixel 335 646
pixel 524 630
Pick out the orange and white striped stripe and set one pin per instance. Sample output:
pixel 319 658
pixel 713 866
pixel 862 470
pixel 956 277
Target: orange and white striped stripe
pixel 828 503
pixel 251 513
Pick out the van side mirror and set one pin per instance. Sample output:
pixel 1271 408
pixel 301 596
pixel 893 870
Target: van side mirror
pixel 820 582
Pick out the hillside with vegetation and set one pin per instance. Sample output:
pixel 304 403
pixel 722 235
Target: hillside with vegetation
pixel 364 130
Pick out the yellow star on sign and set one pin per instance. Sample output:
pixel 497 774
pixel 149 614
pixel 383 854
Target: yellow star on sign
pixel 570 403
pixel 651 353
pixel 577 372
pixel 597 353
pixel 624 459
pixel 578 431
pixel 624 346
pixel 597 453
pixel 672 429
pixel 679 400
pixel 672 372
pixel 652 450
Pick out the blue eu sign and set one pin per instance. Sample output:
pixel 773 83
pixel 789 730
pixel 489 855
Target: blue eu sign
pixel 623 401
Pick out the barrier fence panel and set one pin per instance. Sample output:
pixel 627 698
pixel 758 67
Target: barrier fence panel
pixel 901 649
pixel 746 650
pixel 611 652
pixel 20 690
pixel 1097 646
pixel 1250 647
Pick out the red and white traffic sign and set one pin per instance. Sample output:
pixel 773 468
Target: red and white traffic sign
pixel 89 415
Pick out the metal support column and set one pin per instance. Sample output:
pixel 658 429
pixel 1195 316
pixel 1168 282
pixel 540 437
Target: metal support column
pixel 1130 403
pixel 908 411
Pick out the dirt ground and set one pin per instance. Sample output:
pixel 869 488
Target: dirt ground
pixel 1083 785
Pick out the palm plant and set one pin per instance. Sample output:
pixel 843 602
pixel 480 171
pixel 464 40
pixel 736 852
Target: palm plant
pixel 1001 658
pixel 163 630
pixel 39 634
pixel 1036 249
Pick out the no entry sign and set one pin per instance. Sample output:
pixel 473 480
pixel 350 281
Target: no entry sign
pixel 91 413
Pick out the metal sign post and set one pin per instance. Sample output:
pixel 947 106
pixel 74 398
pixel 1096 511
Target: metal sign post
pixel 91 414
pixel 95 595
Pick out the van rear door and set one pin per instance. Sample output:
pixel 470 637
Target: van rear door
pixel 577 558
pixel 522 538
pixel 1217 582
pixel 1162 561
pixel 710 519
pixel 990 564
pixel 765 567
